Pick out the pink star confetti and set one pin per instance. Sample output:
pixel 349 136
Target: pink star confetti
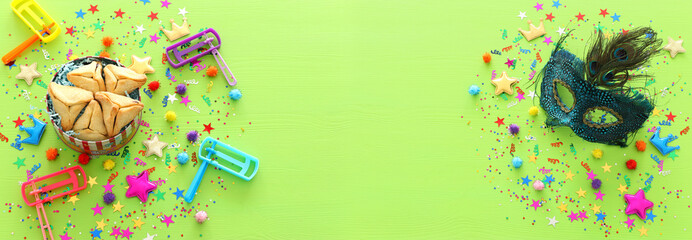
pixel 115 232
pixel 520 96
pixel 167 220
pixel 165 3
pixel 591 175
pixel 536 205
pixel 538 6
pixel 97 210
pixel 185 100
pixel 630 222
pixel 108 187
pixel 572 216
pixel 154 38
pixel 547 41
pixel 65 237
pixel 599 195
pixel 509 63
pixel 126 233
pixel 582 215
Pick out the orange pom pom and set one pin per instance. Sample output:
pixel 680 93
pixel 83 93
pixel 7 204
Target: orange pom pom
pixel 486 57
pixel 105 54
pixel 641 145
pixel 212 71
pixel 51 154
pixel 107 41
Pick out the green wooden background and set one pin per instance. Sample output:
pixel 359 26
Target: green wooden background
pixel 356 116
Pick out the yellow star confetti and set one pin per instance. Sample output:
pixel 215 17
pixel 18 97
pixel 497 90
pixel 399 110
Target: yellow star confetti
pixel 656 112
pixel 643 231
pixel 569 175
pixel 92 181
pixel 563 207
pixel 581 193
pixel 89 34
pixel 73 199
pixel 171 169
pixel 101 224
pixel 596 209
pixel 138 222
pixel 503 84
pixel 117 207
pixel 622 188
pixel 532 158
pixel 606 167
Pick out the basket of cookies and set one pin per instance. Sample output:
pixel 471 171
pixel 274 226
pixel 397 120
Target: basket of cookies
pixel 94 104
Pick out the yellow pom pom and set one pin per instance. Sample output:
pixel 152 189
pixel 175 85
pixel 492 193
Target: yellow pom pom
pixel 597 153
pixel 170 116
pixel 108 164
pixel 533 111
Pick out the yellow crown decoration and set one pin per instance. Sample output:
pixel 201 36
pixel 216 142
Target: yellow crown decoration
pixel 533 32
pixel 176 31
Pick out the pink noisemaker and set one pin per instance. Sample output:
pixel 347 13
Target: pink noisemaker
pixel 208 41
pixel 68 178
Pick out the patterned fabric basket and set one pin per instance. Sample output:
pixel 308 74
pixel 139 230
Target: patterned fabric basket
pixel 90 147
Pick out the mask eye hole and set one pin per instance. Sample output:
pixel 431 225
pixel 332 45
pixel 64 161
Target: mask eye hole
pixel 601 117
pixel 564 96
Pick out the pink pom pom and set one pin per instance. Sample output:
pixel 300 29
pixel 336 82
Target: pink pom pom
pixel 201 216
pixel 538 185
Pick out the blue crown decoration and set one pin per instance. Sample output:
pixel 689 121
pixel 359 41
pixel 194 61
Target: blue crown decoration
pixel 662 143
pixel 35 132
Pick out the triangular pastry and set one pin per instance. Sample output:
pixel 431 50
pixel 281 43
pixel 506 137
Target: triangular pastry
pixel 68 102
pixel 121 80
pixel 90 125
pixel 118 110
pixel 88 77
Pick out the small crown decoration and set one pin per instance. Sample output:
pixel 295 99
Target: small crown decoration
pixel 662 143
pixel 533 32
pixel 35 132
pixel 180 31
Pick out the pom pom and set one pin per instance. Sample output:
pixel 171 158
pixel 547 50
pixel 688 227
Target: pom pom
pixel 108 198
pixel 538 185
pixel 105 54
pixel 52 154
pixel 533 111
pixel 212 71
pixel 108 164
pixel 596 183
pixel 201 216
pixel 235 94
pixel 597 153
pixel 474 90
pixel 170 116
pixel 486 57
pixel 107 41
pixel 641 145
pixel 192 136
pixel 84 159
pixel 516 162
pixel 182 158
pixel 153 86
pixel 631 164
pixel 181 89
pixel 513 129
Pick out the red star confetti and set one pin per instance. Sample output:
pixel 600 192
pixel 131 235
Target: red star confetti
pixel 207 128
pixel 93 9
pixel 604 12
pixel 119 13
pixel 580 17
pixel 153 16
pixel 671 117
pixel 70 31
pixel 624 32
pixel 500 121
pixel 549 17
pixel 18 122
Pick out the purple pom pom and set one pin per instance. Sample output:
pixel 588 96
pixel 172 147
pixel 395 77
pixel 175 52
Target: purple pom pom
pixel 108 198
pixel 181 89
pixel 192 136
pixel 596 183
pixel 513 129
